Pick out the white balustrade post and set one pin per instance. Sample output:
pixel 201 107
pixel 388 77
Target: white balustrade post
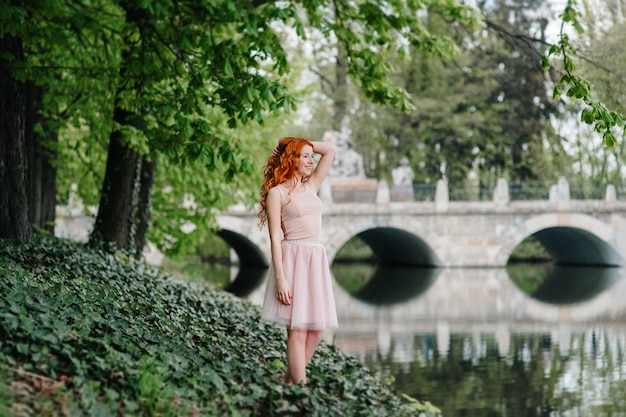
pixel 560 194
pixel 442 196
pixel 383 195
pixel 501 193
pixel 610 196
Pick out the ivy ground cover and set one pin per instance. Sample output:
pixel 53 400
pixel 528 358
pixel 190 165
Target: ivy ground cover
pixel 84 332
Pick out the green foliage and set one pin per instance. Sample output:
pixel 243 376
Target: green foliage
pixel 478 376
pixel 528 277
pixel 120 338
pixel 481 113
pixel 6 395
pixel 195 269
pixel 604 54
pixel 529 250
pixel 191 193
pixel 596 113
pixel 369 33
pixel 353 276
pixel 353 250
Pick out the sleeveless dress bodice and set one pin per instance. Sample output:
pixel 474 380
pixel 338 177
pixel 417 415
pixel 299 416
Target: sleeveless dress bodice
pixel 301 214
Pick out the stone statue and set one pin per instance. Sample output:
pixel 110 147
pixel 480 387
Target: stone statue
pixel 347 163
pixel 403 174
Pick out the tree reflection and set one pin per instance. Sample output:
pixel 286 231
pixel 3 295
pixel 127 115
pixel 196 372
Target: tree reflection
pixel 537 378
pixel 246 281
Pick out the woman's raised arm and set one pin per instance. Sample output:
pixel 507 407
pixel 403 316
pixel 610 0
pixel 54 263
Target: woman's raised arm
pixel 327 150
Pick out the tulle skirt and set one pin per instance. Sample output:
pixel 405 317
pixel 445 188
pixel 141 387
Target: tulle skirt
pixel 308 274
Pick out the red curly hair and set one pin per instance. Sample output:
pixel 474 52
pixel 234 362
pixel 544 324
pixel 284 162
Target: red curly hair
pixel 280 168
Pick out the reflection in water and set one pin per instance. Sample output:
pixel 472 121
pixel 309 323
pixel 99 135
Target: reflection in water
pixel 246 281
pixel 386 284
pixel 474 344
pixel 556 284
pixel 581 375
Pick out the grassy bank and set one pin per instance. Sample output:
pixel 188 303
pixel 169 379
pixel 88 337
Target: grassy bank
pixel 86 333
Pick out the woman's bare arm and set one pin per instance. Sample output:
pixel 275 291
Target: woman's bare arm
pixel 273 209
pixel 327 150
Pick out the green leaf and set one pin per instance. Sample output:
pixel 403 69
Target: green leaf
pixel 587 116
pixel 557 92
pixel 609 139
pixel 228 70
pixel 568 64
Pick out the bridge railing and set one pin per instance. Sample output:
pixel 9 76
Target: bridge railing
pixel 517 191
pixel 502 191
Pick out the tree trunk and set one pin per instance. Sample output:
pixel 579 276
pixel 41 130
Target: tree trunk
pixel 41 173
pixel 114 220
pixel 123 213
pixel 14 222
pixel 146 180
pixel 341 81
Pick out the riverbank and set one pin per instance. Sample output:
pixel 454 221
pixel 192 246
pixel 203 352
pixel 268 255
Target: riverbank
pixel 84 332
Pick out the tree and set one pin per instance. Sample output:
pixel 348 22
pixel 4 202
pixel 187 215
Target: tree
pixel 175 66
pixel 605 121
pixel 602 56
pixel 14 223
pixel 526 117
pixel 41 145
pixel 177 57
pixel 484 110
pixel 55 75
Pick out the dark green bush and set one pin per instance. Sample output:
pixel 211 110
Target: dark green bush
pixel 84 332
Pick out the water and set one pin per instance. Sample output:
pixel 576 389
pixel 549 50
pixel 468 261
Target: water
pixel 519 342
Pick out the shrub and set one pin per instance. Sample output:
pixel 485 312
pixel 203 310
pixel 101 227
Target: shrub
pixel 93 333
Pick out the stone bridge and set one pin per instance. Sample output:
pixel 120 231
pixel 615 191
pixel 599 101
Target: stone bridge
pixel 446 234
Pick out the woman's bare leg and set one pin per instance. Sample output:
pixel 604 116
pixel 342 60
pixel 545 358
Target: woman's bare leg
pixel 313 338
pixel 296 356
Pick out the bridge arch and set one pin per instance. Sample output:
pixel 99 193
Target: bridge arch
pixel 584 261
pixel 253 263
pixel 406 266
pixel 390 239
pixel 249 254
pixel 571 239
pixel 398 247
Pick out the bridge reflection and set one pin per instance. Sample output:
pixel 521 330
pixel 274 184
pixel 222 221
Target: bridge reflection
pixel 557 284
pixel 472 301
pixel 410 294
pixel 480 301
pixel 388 285
pixel 540 370
pixel 383 285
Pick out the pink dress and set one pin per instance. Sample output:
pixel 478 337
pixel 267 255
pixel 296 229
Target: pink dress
pixel 305 265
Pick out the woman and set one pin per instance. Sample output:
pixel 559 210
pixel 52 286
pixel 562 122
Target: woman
pixel 299 290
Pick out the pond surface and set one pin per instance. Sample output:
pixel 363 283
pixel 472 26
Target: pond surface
pixel 518 342
pixel 523 341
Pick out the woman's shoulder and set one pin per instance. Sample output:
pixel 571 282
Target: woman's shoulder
pixel 280 187
pixel 278 190
pixel 273 191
